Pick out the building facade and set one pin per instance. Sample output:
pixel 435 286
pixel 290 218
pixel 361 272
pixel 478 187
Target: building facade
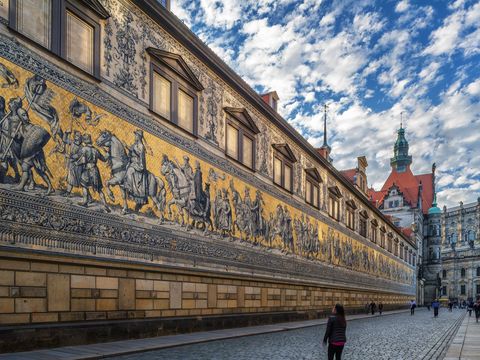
pixel 448 255
pixel 142 178
pixel 459 271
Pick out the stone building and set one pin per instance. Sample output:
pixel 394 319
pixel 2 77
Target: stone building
pixel 142 178
pixel 404 198
pixel 448 257
pixel 459 248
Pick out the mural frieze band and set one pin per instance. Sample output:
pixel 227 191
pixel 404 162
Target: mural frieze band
pixel 59 148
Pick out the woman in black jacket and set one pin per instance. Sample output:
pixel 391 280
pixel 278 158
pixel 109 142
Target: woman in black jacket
pixel 335 333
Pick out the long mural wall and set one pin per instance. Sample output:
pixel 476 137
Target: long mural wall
pixel 60 147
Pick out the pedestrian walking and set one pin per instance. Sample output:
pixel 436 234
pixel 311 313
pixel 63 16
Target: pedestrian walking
pixel 413 305
pixel 373 307
pixel 380 308
pixel 476 309
pixel 436 306
pixel 450 305
pixel 335 333
pixel 470 307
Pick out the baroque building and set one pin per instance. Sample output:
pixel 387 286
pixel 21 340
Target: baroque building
pixel 448 257
pixel 457 241
pixel 142 178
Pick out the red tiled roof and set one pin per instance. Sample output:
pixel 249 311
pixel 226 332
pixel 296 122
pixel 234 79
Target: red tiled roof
pixel 407 231
pixel 408 184
pixel 349 174
pixel 427 194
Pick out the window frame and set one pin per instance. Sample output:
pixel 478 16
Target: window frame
pixel 314 182
pixel 363 224
pixel 284 162
pixel 58 31
pixel 177 83
pixel 242 131
pixel 283 153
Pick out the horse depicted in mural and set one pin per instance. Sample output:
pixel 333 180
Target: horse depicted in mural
pixel 179 186
pixel 192 201
pixel 118 161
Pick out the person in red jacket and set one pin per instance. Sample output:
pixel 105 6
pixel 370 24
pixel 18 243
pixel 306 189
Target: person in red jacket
pixel 335 333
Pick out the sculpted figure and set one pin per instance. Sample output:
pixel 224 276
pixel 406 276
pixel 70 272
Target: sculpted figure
pixel 74 171
pixel 136 179
pixel 87 159
pixel 9 148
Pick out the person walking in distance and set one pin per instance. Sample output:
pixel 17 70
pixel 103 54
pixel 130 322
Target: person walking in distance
pixel 470 307
pixel 450 305
pixel 380 308
pixel 373 307
pixel 476 309
pixel 436 306
pixel 413 305
pixel 335 333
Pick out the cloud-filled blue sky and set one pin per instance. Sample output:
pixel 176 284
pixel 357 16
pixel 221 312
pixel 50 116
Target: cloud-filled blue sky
pixel 370 61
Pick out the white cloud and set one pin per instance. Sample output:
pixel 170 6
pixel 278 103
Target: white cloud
pixel 402 6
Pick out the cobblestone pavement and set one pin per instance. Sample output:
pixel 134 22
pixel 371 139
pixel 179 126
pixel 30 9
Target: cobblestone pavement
pixel 398 336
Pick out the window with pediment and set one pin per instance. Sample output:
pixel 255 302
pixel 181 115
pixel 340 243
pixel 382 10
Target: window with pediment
pixel 312 187
pixel 240 136
pixel 68 28
pixel 334 196
pixel 283 160
pixel 174 90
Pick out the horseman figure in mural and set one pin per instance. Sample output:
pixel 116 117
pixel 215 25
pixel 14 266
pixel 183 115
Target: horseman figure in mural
pixel 128 171
pixel 188 195
pixel 243 217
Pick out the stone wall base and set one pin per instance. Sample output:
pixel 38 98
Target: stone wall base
pixel 49 300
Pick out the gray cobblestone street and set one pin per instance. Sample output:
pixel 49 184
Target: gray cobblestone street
pixel 399 336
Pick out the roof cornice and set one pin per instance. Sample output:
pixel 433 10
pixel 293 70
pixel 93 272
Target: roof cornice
pixel 175 27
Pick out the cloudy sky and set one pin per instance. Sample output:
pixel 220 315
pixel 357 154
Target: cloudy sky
pixel 369 61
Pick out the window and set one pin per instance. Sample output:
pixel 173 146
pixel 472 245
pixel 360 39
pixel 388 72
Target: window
pixel 444 290
pixel 240 136
pixel 33 19
pixel 362 223
pixel 350 214
pixel 382 237
pixel 462 289
pixel 283 160
pixel 173 90
pixel 462 272
pixel 444 274
pixel 70 29
pixel 373 232
pixel 478 271
pixel 333 207
pixel 390 243
pixel 162 95
pixel 312 188
pixel 334 196
pixel 478 289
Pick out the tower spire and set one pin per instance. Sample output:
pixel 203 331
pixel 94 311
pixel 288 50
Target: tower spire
pixel 325 149
pixel 325 108
pixel 401 159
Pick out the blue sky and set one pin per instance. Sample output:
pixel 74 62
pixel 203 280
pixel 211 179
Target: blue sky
pixel 369 61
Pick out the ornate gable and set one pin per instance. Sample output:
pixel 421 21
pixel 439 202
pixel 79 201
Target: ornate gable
pixel 242 116
pixel 97 7
pixel 334 190
pixel 286 151
pixel 314 174
pixel 176 64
